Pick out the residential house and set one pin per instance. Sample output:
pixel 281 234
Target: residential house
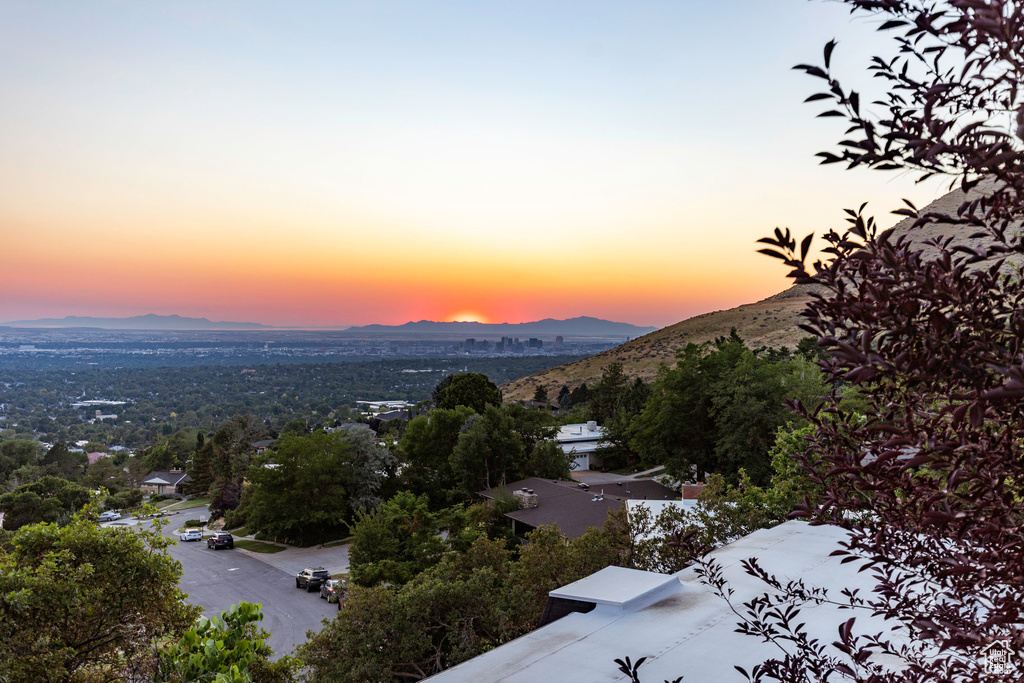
pixel 573 507
pixel 262 446
pixel 580 441
pixel 164 483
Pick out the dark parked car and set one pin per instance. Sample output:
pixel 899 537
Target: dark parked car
pixel 333 590
pixel 311 578
pixel 220 539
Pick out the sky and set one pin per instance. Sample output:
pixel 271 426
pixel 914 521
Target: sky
pixel 344 163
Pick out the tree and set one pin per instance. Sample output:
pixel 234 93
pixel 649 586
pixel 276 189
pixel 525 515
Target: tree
pixel 467 603
pixel 489 451
pixel 540 394
pixel 532 426
pixel 580 395
pixel 928 481
pixel 159 458
pixel 471 389
pixel 615 404
pixel 607 394
pixel 300 490
pixel 447 614
pixel 60 462
pixel 171 453
pixel 426 449
pixel 395 542
pixel 723 514
pixel 48 499
pixel 564 397
pixel 126 499
pixel 435 394
pixel 718 410
pixel 550 560
pixel 82 603
pixel 17 453
pixel 549 461
pixel 370 464
pixel 104 474
pixel 219 464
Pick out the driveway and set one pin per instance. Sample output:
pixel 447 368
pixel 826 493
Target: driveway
pixel 294 560
pixel 217 579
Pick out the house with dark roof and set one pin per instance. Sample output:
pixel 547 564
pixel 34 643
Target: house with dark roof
pixel 262 446
pixel 164 483
pixel 573 507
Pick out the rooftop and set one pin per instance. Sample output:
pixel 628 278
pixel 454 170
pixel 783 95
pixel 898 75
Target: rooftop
pixel 618 587
pixel 576 509
pixel 674 620
pixel 579 432
pixel 165 478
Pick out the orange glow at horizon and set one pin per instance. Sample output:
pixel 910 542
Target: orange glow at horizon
pixel 296 272
pixel 244 164
pixel 466 317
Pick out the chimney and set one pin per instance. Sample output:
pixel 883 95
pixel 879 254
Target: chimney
pixel 525 497
pixel 691 491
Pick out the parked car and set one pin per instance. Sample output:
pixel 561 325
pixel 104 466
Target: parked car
pixel 109 516
pixel 192 535
pixel 311 578
pixel 333 590
pixel 220 539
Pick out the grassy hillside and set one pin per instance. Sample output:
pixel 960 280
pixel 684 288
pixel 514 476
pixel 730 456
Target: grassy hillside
pixel 771 322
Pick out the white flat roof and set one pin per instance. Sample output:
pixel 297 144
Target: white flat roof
pixel 686 630
pixel 658 506
pixel 579 432
pixel 618 587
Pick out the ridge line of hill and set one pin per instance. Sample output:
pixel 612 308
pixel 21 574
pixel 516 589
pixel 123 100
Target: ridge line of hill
pixel 772 321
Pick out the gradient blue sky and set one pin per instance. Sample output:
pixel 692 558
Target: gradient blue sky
pixel 344 163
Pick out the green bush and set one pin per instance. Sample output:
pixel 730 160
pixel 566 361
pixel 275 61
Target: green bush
pixel 234 518
pixel 122 500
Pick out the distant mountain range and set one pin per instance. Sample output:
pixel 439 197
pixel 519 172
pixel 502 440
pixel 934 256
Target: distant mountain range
pixel 574 327
pixel 582 326
pixel 139 322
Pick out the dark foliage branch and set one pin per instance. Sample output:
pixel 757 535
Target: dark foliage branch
pixel 929 481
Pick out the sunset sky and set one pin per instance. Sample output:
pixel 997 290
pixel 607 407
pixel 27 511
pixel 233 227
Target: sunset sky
pixel 343 163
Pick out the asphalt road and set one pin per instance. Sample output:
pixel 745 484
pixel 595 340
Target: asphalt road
pixel 217 579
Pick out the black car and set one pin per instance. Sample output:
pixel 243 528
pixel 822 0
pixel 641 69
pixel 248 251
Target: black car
pixel 220 539
pixel 311 578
